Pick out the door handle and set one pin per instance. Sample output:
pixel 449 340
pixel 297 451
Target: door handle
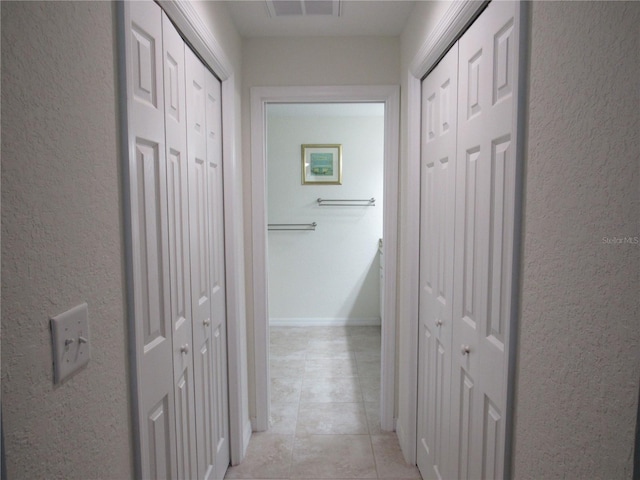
pixel 206 322
pixel 465 349
pixel 184 348
pixel 438 323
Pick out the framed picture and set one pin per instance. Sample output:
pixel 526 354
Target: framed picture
pixel 322 164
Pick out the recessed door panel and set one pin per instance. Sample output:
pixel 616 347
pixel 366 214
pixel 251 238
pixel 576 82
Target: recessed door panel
pixel 206 381
pixel 440 399
pixel 492 441
pixel 464 406
pixel 144 60
pixel 160 441
pixel 503 58
pixel 185 426
pixel 199 232
pixel 469 171
pixel 474 98
pixel 502 171
pixel 150 230
pixel 425 408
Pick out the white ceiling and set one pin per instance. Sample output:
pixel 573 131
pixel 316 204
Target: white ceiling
pixel 357 18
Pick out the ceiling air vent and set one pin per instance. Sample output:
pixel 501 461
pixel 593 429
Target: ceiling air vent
pixel 284 8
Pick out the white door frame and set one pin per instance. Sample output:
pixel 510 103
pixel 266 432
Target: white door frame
pixel 201 40
pixel 260 97
pixel 452 25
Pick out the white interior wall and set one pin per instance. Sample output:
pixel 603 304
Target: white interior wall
pixel 578 363
pixel 62 241
pixel 330 275
pixel 305 61
pixel 62 237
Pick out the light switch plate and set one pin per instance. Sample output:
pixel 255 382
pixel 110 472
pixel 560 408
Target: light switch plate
pixel 71 346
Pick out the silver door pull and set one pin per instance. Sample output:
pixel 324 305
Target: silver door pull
pixel 184 348
pixel 465 349
pixel 438 323
pixel 206 322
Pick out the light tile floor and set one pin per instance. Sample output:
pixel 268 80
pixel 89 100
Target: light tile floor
pixel 325 388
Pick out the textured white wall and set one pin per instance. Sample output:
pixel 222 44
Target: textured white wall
pixel 579 354
pixel 62 240
pixel 333 273
pixel 270 62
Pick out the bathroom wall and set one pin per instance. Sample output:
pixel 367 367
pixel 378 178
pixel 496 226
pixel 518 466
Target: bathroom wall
pixel 330 275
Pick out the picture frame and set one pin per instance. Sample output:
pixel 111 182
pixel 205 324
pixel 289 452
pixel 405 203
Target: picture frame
pixel 321 164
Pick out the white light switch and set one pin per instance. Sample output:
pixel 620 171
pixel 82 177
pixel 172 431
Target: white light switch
pixel 71 348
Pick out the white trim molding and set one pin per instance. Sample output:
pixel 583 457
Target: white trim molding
pixel 454 22
pixel 189 23
pixel 260 97
pixel 201 39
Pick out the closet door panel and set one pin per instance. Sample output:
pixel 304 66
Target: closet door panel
pixel 146 173
pixel 200 260
pixel 438 167
pixel 484 241
pixel 217 274
pixel 178 219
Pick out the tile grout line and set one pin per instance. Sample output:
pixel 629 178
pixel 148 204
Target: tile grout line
pixel 352 355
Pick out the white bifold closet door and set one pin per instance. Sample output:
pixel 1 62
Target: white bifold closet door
pixel 437 207
pixel 207 267
pixel 155 404
pixel 464 342
pixel 177 251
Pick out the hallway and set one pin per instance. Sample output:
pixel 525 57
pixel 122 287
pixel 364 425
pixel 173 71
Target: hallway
pixel 65 229
pixel 325 384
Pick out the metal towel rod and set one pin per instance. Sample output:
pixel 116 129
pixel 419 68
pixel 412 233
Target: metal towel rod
pixel 326 202
pixel 283 227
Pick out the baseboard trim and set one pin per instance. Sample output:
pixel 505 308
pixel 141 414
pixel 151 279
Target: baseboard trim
pixel 325 322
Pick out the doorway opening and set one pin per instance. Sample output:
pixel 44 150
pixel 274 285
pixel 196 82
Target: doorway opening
pixel 325 168
pixel 262 99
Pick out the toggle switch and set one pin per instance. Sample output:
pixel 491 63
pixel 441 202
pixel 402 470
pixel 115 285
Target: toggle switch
pixel 70 338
